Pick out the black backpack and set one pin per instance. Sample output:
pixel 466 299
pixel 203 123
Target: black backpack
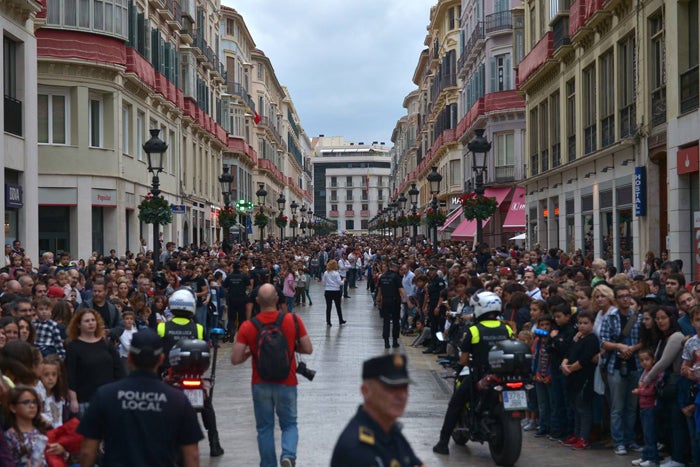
pixel 273 358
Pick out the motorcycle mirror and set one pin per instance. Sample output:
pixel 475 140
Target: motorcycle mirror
pixel 440 336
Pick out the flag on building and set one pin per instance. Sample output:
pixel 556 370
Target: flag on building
pixel 257 118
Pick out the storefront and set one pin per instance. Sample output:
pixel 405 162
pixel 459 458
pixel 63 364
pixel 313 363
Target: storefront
pixel 13 203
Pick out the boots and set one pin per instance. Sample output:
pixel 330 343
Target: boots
pixel 396 343
pixel 386 343
pixel 442 447
pixel 215 449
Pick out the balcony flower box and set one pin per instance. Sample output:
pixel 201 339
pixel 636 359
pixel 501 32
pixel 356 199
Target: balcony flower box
pixel 364 213
pixel 349 213
pixel 333 213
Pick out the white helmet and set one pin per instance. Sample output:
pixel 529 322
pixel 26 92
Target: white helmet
pixel 183 303
pixel 485 302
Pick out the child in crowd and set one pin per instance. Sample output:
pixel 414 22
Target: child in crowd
pixel 54 381
pixel 578 367
pixel 25 437
pixel 538 308
pixel 690 369
pixel 48 335
pixel 647 411
pixel 527 338
pixel 558 346
pixel 542 370
pixel 125 339
pixel 61 314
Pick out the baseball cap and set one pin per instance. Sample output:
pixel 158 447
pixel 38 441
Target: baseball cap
pixel 146 344
pixel 389 369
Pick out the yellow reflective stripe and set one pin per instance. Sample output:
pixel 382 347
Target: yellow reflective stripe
pixel 491 323
pixel 474 331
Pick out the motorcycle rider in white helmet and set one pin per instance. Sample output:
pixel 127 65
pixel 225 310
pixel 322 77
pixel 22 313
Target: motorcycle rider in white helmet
pixel 477 342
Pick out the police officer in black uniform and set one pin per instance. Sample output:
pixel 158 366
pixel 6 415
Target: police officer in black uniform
pixel 437 322
pixel 183 326
pixel 141 420
pixel 477 342
pixel 373 437
pixel 236 285
pixel 390 294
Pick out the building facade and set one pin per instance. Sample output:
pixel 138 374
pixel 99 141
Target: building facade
pixel 608 135
pixel 351 182
pixel 19 138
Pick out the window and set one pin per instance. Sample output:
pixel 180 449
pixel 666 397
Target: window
pixel 658 71
pixel 95 118
pixel 348 207
pixel 334 207
pixel 607 99
pixel 533 134
pixel 571 119
pixel 544 136
pixel 500 73
pixel 456 175
pixel 364 224
pixel 519 35
pixel 334 195
pixel 365 207
pixel 349 224
pixel 103 16
pixel 505 152
pixel 12 106
pixel 140 120
pixel 334 181
pixel 556 130
pixel 589 110
pixel 261 74
pixel 688 56
pixel 348 181
pixel 171 150
pixel 348 195
pixel 451 13
pixel 380 194
pixel 238 121
pixel 53 118
pixel 126 122
pixel 628 72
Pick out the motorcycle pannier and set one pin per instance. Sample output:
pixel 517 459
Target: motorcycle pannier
pixel 190 356
pixel 510 357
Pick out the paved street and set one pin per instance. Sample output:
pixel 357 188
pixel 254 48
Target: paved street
pixel 326 404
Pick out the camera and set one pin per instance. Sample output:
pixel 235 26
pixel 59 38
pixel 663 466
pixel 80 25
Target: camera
pixel 306 372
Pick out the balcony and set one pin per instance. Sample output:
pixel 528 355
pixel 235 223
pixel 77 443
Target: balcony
pixel 266 122
pixel 364 213
pixel 580 12
pixel 439 85
pixel 333 214
pixel 607 131
pixel 470 50
pixel 505 173
pixel 501 21
pixel 537 57
pixel 349 213
pixel 658 106
pixel 560 32
pixel 571 147
pixel 590 136
pixel 237 89
pixel 690 86
pixel 627 120
pixel 13 116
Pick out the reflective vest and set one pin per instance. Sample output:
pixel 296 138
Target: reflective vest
pixel 483 335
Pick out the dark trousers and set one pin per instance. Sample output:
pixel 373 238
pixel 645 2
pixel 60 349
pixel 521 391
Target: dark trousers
pixel 209 420
pixel 333 296
pixel 458 401
pixel 583 413
pixel 345 287
pixel 562 413
pixel 352 277
pixel 236 314
pixel 391 314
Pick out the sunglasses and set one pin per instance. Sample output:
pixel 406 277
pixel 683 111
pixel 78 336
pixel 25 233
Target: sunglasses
pixel 28 402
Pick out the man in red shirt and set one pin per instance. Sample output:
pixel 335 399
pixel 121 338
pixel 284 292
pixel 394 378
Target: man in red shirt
pixel 273 396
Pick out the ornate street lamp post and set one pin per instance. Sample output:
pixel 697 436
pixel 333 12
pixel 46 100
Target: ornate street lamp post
pixel 434 179
pixel 225 180
pixel 293 206
pixel 261 194
pixel 402 206
pixel 302 217
pixel 394 206
pixel 479 147
pixel 281 201
pixel 155 146
pixel 413 194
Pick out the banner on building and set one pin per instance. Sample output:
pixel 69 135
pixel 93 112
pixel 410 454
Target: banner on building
pixel 640 191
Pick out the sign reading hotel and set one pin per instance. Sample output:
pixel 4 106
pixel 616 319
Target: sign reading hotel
pixel 640 191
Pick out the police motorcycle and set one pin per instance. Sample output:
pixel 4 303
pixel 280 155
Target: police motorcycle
pixel 498 402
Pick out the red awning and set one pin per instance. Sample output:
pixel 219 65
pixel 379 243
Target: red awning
pixel 515 219
pixel 466 230
pixel 499 193
pixel 450 220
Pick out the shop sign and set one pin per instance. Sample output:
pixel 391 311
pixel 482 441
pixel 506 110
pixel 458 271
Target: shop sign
pixel 640 191
pixel 104 197
pixel 178 208
pixel 13 196
pixel 696 227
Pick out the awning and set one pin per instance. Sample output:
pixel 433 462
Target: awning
pixel 522 236
pixel 451 218
pixel 466 230
pixel 499 193
pixel 515 219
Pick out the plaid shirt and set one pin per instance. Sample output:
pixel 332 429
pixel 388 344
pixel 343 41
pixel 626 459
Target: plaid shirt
pixel 48 335
pixel 611 330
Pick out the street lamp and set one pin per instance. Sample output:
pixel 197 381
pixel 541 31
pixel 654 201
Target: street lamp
pixel 225 180
pixel 434 179
pixel 394 206
pixel 293 208
pixel 479 147
pixel 413 194
pixel 281 201
pixel 261 194
pixel 302 217
pixel 402 206
pixel 153 146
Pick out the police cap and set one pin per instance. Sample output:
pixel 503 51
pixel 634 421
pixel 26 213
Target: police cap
pixel 146 346
pixel 432 266
pixel 389 369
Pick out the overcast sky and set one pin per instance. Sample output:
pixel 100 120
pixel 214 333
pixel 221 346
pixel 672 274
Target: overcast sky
pixel 348 64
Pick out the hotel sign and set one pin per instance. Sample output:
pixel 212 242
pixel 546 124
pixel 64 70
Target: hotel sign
pixel 640 191
pixel 13 196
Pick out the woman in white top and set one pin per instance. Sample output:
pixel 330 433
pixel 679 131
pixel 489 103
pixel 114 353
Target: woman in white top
pixel 333 285
pixel 343 266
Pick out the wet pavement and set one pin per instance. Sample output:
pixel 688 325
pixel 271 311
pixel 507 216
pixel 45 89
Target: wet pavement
pixel 327 403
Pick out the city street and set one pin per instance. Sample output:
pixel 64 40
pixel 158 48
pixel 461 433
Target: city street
pixel 326 404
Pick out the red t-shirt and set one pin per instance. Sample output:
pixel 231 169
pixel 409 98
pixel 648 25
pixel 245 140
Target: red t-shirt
pixel 248 335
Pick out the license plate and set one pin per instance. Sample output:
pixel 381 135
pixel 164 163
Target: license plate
pixel 196 397
pixel 515 400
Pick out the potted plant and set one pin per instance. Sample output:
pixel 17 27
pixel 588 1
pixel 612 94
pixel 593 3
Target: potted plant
pixel 260 219
pixel 413 219
pixel 477 206
pixel 155 210
pixel 281 221
pixel 293 223
pixel 434 218
pixel 227 217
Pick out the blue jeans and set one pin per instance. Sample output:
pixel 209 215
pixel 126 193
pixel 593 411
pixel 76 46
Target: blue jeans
pixel 623 407
pixel 268 399
pixel 562 413
pixel 648 419
pixel 583 415
pixel 290 303
pixel 544 403
pixel 200 316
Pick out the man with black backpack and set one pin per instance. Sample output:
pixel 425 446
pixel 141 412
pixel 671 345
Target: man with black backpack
pixel 272 338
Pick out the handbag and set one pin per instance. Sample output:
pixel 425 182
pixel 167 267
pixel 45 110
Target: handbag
pixel 667 387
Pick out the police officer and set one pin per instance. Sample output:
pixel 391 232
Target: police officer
pixel 476 343
pixel 373 437
pixel 390 294
pixel 437 322
pixel 183 326
pixel 141 420
pixel 236 285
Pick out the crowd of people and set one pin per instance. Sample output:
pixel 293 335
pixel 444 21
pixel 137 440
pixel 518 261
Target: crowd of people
pixel 67 325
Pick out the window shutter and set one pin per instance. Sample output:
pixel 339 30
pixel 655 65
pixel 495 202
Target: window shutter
pixel 493 75
pixel 132 24
pixel 168 63
pixel 147 41
pixel 507 73
pixel 161 53
pixel 140 33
